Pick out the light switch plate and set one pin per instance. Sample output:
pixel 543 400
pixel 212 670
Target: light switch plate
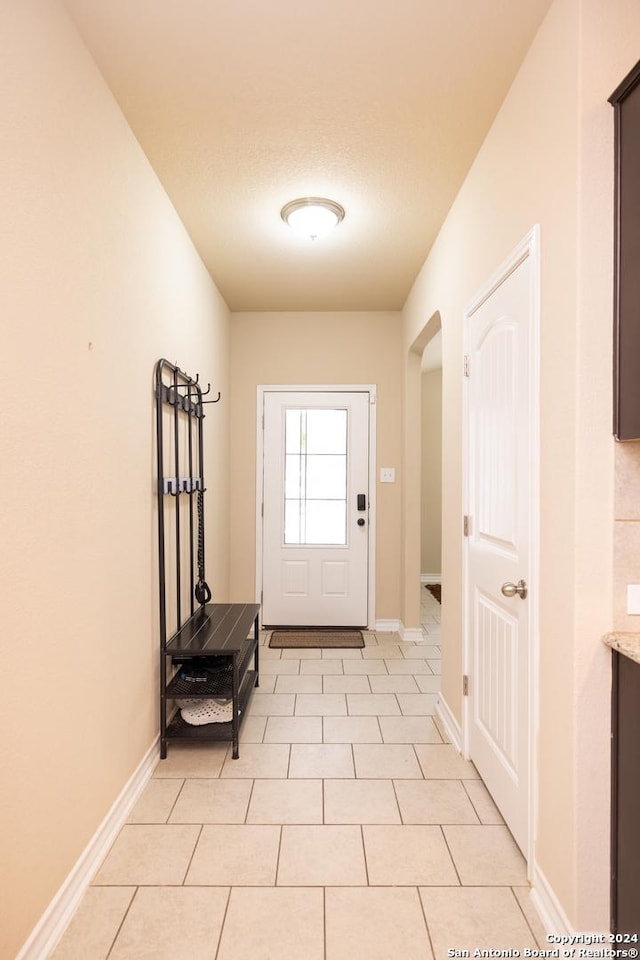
pixel 633 599
pixel 387 474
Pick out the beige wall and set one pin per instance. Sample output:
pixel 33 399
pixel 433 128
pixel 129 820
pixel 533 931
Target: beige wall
pixel 316 348
pixel 97 280
pixel 548 160
pixel 431 490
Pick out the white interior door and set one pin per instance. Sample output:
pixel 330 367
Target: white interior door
pixel 315 537
pixel 501 440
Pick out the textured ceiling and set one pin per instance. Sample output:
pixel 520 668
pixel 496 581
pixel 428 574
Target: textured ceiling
pixel 242 105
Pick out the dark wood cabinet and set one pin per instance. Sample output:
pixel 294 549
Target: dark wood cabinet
pixel 626 359
pixel 625 892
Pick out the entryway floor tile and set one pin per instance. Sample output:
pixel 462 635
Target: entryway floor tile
pixel 486 856
pixel 407 856
pixel 373 704
pixel 321 760
pixel 386 760
pixel 148 854
pixel 258 760
pixel 398 684
pixel 346 684
pixel 469 918
pixel 304 684
pixel 95 924
pixel 273 924
pixel 192 760
pixel 293 730
pixel 360 801
pixel 231 855
pixel 171 923
pixel 321 705
pixel 443 762
pixel 321 856
pixel 434 801
pixel 375 924
pixel 156 802
pixel 212 801
pixel 286 801
pixel 409 730
pixel 351 730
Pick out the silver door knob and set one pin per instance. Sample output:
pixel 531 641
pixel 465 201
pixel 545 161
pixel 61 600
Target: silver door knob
pixel 510 589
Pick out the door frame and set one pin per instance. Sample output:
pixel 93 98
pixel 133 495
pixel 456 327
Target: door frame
pixel 528 248
pixel 369 389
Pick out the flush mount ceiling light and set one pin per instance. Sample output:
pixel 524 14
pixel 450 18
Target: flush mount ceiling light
pixel 312 217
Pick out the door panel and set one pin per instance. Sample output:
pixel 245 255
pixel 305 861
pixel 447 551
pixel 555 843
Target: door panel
pixel 496 660
pixel 500 438
pixel 315 555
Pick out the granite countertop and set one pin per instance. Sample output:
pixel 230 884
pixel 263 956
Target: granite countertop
pixel 625 643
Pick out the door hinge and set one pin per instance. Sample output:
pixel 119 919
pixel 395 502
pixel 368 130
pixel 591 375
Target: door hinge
pixel 466 525
pixel 262 509
pixel 465 685
pixel 467 365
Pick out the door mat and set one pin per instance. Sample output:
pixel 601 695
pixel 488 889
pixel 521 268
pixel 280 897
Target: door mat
pixel 435 589
pixel 316 638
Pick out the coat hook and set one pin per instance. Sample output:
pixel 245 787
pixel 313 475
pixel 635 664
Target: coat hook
pixel 213 401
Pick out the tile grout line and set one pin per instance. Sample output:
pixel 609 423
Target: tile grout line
pixel 324 922
pixel 426 922
pixel 193 853
pixel 364 855
pixel 121 924
pixel 535 939
pixel 418 762
pixel 475 809
pixel 173 805
pixel 397 799
pixel 382 740
pixel 275 879
pixel 253 783
pixel 224 920
pixel 455 865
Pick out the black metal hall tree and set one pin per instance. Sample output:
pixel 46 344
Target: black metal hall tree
pixel 205 648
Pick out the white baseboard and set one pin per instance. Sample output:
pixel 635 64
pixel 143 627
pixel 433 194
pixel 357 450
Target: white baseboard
pixel 451 725
pixel 397 626
pixel 547 905
pixel 430 578
pixel 56 917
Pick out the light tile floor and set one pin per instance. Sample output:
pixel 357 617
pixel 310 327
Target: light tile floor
pixel 348 829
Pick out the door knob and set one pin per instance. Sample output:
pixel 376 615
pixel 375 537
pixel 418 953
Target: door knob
pixel 510 589
pixel 361 521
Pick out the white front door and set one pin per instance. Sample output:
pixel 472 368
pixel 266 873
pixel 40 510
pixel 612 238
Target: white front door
pixel 315 537
pixel 501 438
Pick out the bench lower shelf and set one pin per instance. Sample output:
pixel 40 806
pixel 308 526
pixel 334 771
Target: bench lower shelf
pixel 179 729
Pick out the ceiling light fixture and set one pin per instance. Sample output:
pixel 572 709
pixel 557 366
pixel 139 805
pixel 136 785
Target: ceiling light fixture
pixel 312 217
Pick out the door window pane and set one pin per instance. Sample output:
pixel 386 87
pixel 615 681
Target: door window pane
pixel 326 431
pixel 293 426
pixel 326 521
pixel 326 477
pixel 315 480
